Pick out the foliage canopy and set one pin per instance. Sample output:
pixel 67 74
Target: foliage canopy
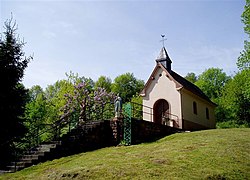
pixel 126 85
pixel 244 58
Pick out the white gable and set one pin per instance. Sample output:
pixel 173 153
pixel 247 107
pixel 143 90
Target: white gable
pixel 162 87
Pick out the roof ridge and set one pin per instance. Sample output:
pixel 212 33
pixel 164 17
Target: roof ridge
pixel 190 86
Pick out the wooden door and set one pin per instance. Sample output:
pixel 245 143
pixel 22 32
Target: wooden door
pixel 161 110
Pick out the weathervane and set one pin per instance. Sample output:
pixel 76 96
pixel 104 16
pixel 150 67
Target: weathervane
pixel 163 39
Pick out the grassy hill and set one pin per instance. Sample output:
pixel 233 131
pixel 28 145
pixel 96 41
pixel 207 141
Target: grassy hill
pixel 211 154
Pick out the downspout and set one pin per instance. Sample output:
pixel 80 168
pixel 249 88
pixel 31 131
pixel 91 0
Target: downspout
pixel 181 117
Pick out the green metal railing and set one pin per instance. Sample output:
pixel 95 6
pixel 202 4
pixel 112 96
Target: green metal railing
pixel 142 112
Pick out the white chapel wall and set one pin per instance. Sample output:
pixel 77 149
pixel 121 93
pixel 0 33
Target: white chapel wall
pixel 162 88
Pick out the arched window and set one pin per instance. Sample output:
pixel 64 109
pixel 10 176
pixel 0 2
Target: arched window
pixel 194 107
pixel 207 113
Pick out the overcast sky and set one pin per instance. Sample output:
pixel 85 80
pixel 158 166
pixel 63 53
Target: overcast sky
pixel 95 38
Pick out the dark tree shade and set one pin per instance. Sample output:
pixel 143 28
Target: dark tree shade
pixel 12 92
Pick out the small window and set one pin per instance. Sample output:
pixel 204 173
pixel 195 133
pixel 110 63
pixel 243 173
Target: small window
pixel 194 107
pixel 207 113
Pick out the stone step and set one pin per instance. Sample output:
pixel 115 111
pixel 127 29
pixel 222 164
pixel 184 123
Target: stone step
pixel 21 163
pixel 53 142
pixel 42 147
pixel 83 128
pixel 31 152
pixel 47 145
pixel 37 153
pixel 15 168
pixel 42 151
pixel 27 161
pixel 33 156
pixel 4 171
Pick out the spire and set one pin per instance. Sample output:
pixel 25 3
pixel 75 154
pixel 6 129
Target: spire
pixel 164 59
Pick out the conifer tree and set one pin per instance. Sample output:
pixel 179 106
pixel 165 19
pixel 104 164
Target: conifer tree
pixel 12 92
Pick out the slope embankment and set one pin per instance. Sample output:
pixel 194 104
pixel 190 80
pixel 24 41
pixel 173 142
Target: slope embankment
pixel 210 154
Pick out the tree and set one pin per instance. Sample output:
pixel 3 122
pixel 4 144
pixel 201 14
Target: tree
pixel 126 85
pixel 244 58
pixel 35 113
pixel 104 82
pixel 55 99
pixel 137 110
pixel 191 77
pixel 212 81
pixel 236 97
pixel 235 100
pixel 12 93
pixel 34 92
pixel 87 104
pixel 46 107
pixel 35 109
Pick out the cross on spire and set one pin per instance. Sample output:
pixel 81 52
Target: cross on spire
pixel 163 39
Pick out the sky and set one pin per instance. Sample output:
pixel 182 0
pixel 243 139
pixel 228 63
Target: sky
pixel 110 38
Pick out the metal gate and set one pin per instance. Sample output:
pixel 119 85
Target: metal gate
pixel 127 124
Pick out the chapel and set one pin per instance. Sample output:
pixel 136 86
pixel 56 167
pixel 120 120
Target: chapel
pixel 170 99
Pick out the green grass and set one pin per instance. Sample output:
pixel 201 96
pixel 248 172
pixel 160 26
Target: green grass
pixel 211 154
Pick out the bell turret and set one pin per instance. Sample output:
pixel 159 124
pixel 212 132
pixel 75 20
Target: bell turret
pixel 164 59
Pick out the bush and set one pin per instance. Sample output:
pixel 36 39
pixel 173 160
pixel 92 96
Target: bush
pixel 230 124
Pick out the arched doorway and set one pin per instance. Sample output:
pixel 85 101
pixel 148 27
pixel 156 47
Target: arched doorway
pixel 161 110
